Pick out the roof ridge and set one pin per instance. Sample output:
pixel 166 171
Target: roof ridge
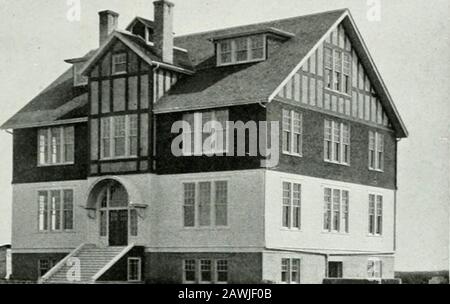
pixel 262 23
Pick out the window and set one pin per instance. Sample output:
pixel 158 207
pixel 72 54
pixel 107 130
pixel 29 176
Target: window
pixel 338 65
pixel 292 132
pixel 374 269
pixel 205 271
pixel 290 271
pixel 335 269
pixel 375 214
pixel 337 142
pixel 376 151
pixel 189 271
pixel 119 63
pixel 291 205
pixel 241 50
pixel 134 269
pixel 55 210
pixel 336 210
pixel 205 204
pixel 56 146
pixel 212 125
pixel 44 265
pixel 119 136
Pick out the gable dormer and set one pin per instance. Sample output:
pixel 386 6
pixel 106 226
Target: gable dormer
pixel 77 66
pixel 142 27
pixel 245 47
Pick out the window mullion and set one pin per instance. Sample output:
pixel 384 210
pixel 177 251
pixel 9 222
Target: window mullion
pixel 292 132
pixel 111 137
pixel 49 146
pixel 127 135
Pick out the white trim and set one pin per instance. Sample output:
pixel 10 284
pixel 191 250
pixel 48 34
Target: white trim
pixel 47 123
pixel 139 274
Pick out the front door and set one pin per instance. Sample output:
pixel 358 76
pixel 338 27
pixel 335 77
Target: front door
pixel 118 227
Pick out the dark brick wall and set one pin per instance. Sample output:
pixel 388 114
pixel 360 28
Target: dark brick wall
pixel 119 272
pixel 169 164
pixel 25 158
pixel 168 267
pixel 25 265
pixel 312 163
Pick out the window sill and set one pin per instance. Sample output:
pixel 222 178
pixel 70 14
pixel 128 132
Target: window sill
pixel 240 62
pixel 291 229
pixel 378 236
pixel 376 170
pixel 57 232
pixel 336 163
pixel 206 228
pixel 293 154
pixel 338 92
pixel 118 158
pixel 56 165
pixel 118 73
pixel 335 233
pixel 208 154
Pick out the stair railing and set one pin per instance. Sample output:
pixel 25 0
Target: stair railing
pixel 60 264
pixel 112 262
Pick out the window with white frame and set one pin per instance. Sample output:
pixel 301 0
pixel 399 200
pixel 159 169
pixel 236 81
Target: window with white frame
pixel 376 151
pixel 374 268
pixel 205 204
pixel 44 265
pixel 241 50
pixel 292 132
pixel 210 125
pixel 338 66
pixel 290 271
pixel 336 142
pixel 205 271
pixel 56 146
pixel 291 205
pixel 336 210
pixel 134 269
pixel 119 136
pixel 55 210
pixel 375 214
pixel 119 63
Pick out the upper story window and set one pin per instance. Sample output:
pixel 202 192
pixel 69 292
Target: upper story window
pixel 55 210
pixel 292 132
pixel 241 50
pixel 337 142
pixel 207 133
pixel 119 63
pixel 292 205
pixel 205 204
pixel 338 70
pixel 375 214
pixel 376 151
pixel 336 210
pixel 119 136
pixel 56 146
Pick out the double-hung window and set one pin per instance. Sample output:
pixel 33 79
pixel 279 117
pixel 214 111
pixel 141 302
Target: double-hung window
pixel 205 271
pixel 119 63
pixel 291 215
pixel 290 271
pixel 376 151
pixel 206 133
pixel 374 268
pixel 241 50
pixel 292 132
pixel 329 67
pixel 375 214
pixel 44 265
pixel 56 146
pixel 55 210
pixel 336 210
pixel 119 136
pixel 205 204
pixel 347 68
pixel 338 66
pixel 336 142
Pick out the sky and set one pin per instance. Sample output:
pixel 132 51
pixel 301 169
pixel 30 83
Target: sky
pixel 409 44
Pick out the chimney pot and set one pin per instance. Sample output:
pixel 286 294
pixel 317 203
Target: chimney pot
pixel 108 23
pixel 163 34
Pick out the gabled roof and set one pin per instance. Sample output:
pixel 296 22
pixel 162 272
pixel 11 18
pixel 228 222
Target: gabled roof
pixel 246 83
pixel 59 102
pixel 146 51
pixel 146 22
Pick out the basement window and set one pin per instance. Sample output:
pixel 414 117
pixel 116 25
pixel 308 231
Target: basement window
pixel 134 269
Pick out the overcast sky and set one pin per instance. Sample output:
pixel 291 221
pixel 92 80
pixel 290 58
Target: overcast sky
pixel 410 46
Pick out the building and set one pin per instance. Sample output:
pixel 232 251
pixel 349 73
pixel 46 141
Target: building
pixel 100 193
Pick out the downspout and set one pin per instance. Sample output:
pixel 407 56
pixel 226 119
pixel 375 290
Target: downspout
pixel 395 194
pixel 155 96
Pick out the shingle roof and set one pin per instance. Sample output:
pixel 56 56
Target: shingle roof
pixel 214 86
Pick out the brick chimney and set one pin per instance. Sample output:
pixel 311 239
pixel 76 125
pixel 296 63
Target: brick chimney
pixel 163 35
pixel 108 23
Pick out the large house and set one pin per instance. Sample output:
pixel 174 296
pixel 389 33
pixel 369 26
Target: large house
pixel 100 194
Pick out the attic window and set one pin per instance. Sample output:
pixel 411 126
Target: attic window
pixel 119 63
pixel 241 50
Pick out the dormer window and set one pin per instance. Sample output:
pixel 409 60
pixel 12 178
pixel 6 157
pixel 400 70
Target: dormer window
pixel 241 50
pixel 119 63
